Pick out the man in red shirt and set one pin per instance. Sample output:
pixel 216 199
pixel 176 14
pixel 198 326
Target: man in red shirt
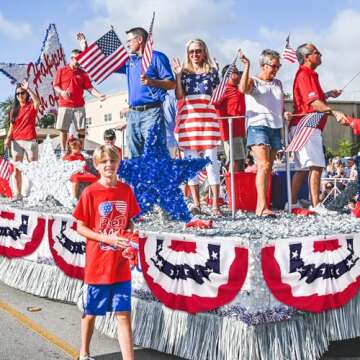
pixel 70 82
pixel 309 97
pixel 232 103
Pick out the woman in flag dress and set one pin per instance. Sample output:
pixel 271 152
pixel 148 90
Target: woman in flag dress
pixel 264 98
pixel 197 130
pixel 22 134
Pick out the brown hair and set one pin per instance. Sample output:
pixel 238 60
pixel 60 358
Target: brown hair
pixel 103 150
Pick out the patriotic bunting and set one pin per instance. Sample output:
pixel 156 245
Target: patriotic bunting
pixel 193 275
pixel 20 232
pixel 313 274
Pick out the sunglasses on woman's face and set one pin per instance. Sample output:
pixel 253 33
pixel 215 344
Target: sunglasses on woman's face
pixel 195 51
pixel 21 93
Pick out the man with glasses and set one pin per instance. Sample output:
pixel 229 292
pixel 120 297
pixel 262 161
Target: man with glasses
pixel 309 97
pixel 146 92
pixel 70 82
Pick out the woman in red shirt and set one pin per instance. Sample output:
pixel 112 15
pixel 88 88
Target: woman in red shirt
pixel 22 133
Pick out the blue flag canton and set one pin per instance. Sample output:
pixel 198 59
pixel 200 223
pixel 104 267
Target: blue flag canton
pixel 108 43
pixel 313 120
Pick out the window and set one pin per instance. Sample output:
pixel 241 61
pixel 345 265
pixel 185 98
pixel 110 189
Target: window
pixel 107 117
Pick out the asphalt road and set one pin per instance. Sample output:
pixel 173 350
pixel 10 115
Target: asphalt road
pixel 53 332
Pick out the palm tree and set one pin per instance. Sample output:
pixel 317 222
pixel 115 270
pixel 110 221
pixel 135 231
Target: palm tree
pixel 5 107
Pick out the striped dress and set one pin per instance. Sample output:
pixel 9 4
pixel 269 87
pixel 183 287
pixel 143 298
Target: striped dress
pixel 196 124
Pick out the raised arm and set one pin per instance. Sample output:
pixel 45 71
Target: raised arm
pixel 178 69
pixel 82 40
pixel 34 97
pixel 246 84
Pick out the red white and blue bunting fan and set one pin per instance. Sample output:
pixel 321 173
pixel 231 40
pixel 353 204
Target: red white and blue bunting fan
pixel 193 275
pixel 41 72
pixel 313 274
pixel 67 246
pixel 21 232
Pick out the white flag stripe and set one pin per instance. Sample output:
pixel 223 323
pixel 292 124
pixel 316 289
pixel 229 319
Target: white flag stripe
pixel 198 133
pixel 195 123
pixel 112 66
pixel 104 61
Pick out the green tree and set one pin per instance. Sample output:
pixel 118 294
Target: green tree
pixel 46 121
pixel 5 107
pixel 345 148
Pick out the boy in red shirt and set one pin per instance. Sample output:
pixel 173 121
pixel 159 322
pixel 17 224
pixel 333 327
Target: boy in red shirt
pixel 106 207
pixel 232 103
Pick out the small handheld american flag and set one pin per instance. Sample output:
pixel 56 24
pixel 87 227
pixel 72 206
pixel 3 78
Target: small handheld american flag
pixel 304 130
pixel 147 55
pixel 289 53
pixel 220 89
pixel 103 57
pixel 6 167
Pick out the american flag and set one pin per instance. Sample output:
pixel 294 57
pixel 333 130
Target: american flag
pixel 219 91
pixel 289 53
pixel 103 57
pixel 202 176
pixel 147 55
pixel 304 130
pixel 6 168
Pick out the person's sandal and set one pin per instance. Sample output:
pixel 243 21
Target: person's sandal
pixel 195 210
pixel 216 212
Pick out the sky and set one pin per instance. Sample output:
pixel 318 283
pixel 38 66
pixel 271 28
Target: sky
pixel 227 25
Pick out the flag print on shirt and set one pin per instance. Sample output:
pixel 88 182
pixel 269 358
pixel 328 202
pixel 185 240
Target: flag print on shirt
pixel 112 219
pixel 196 125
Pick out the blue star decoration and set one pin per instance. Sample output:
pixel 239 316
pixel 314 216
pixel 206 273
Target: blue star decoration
pixel 156 177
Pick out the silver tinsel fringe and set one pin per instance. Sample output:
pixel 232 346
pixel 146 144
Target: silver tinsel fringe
pixel 210 337
pixel 39 279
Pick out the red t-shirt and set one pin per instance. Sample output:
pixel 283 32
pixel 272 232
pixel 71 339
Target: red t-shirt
pixel 231 104
pixel 74 157
pixel 306 89
pixel 74 81
pixel 106 210
pixel 24 124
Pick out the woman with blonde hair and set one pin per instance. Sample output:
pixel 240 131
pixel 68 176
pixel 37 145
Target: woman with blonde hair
pixel 197 130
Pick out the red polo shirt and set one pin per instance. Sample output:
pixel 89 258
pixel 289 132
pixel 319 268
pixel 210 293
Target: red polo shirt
pixel 24 124
pixel 75 81
pixel 231 104
pixel 306 89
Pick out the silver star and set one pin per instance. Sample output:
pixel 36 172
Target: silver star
pixel 186 271
pixel 160 264
pixel 294 254
pixel 349 263
pixel 42 84
pixel 49 176
pixel 214 255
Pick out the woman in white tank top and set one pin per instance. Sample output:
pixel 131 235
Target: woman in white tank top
pixel 264 113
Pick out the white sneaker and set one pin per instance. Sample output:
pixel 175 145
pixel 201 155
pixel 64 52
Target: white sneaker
pixel 297 205
pixel 320 209
pixel 85 357
pixel 17 197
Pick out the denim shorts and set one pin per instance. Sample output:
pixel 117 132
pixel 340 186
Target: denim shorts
pixel 100 299
pixel 264 135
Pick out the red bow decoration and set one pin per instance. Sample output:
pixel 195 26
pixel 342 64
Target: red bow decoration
pixel 356 210
pixel 354 123
pixel 302 212
pixel 200 224
pixel 131 252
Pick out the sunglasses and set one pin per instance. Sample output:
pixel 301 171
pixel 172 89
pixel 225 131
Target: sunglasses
pixel 316 53
pixel 274 66
pixel 21 93
pixel 195 51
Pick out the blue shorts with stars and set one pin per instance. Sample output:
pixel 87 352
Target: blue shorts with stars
pixel 100 299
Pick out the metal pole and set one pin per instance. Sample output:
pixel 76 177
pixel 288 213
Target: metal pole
pixel 288 173
pixel 232 175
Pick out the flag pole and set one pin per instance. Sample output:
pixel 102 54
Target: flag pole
pixel 288 170
pixel 232 175
pixel 351 80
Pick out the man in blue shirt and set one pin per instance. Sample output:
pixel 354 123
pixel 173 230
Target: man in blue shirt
pixel 146 92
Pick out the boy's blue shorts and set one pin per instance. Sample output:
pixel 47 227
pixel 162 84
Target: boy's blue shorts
pixel 100 299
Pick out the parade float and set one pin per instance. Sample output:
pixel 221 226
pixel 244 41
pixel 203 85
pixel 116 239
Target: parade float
pixel 241 287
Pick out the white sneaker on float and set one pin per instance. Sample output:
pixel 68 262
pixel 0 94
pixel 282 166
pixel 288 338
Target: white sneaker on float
pixel 320 209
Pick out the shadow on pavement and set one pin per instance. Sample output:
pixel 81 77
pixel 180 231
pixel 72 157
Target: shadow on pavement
pixel 346 349
pixel 141 354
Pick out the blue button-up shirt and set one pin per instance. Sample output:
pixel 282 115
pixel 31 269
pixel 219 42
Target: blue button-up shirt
pixel 159 69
